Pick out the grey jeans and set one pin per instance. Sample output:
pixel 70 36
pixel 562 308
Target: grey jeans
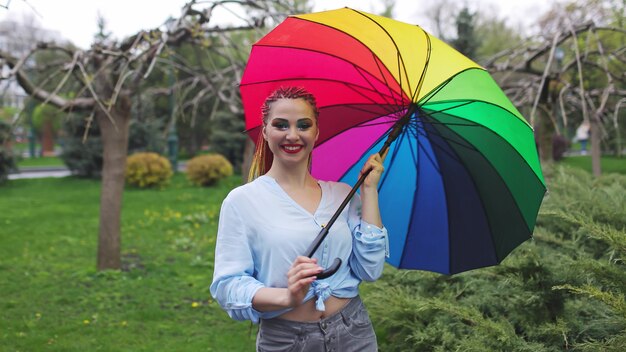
pixel 347 330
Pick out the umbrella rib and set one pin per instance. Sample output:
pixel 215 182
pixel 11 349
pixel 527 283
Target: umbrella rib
pixel 482 202
pixel 486 128
pixel 389 111
pixel 401 67
pixel 351 127
pixel 489 129
pixel 415 195
pixel 358 107
pixel 372 124
pixel 436 133
pixel 420 83
pixel 413 154
pixel 393 156
pixel 500 177
pixel 367 151
pixel 359 70
pixel 316 79
pixel 380 70
pixel 392 95
pixel 438 89
pixel 470 101
pixel 442 85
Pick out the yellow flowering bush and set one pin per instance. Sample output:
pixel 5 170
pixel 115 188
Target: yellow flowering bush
pixel 206 170
pixel 148 170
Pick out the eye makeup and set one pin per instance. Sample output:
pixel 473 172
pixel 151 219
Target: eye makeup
pixel 283 124
pixel 304 124
pixel 280 124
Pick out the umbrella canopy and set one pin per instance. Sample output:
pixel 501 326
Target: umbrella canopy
pixel 462 184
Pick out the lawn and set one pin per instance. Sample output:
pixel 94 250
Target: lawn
pixel 608 163
pixel 53 299
pixel 41 161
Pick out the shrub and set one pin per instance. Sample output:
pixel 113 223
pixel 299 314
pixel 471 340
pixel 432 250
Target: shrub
pixel 82 156
pixel 560 145
pixel 206 170
pixel 148 170
pixel 226 137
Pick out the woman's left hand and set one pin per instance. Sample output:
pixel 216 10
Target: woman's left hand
pixel 375 164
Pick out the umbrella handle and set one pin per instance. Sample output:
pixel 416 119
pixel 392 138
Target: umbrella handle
pixel 314 246
pixel 331 270
pixel 324 231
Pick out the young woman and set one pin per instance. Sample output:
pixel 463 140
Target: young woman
pixel 266 226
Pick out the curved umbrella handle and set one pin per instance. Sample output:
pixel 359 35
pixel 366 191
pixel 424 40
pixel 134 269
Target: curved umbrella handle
pixel 313 247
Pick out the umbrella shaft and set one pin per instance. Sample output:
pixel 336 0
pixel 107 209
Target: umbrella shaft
pixel 395 132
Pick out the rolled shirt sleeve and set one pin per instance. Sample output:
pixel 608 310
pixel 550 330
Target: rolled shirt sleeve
pixel 233 285
pixel 370 245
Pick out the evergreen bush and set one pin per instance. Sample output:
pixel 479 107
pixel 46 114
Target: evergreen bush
pixel 145 170
pixel 206 170
pixel 226 137
pixel 83 156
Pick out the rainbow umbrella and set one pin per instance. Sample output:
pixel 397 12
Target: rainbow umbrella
pixel 462 183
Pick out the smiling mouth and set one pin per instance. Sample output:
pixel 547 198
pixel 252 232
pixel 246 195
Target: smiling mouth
pixel 292 148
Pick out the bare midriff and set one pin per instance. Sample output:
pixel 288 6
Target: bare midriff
pixel 307 312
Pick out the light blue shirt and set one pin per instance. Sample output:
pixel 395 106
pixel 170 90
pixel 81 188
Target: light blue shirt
pixel 262 230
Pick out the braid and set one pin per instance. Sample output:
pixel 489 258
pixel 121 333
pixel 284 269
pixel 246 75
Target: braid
pixel 288 93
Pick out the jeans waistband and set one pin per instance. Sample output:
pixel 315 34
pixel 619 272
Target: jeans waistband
pixel 303 327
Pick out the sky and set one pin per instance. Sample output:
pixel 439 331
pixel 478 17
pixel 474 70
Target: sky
pixel 75 20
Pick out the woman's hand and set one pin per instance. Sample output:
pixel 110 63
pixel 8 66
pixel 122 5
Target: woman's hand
pixel 299 278
pixel 375 164
pixel 369 190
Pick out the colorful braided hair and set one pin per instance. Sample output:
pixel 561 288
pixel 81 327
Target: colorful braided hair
pixel 263 157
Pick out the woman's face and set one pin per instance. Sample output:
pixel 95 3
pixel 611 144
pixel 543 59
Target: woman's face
pixel 291 130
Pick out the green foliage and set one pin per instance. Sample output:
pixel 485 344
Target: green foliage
pixel 227 138
pixel 146 136
pixel 495 36
pixel 7 161
pixel 563 290
pixel 145 170
pixel 206 170
pixel 47 114
pixel 7 113
pixel 83 156
pixel 466 41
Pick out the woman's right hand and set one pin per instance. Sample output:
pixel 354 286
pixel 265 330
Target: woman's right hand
pixel 302 273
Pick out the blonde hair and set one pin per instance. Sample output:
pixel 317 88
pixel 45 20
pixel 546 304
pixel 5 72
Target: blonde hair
pixel 263 157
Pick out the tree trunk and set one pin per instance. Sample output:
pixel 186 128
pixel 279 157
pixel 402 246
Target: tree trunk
pixel 47 138
pixel 544 131
pixel 115 147
pixel 596 146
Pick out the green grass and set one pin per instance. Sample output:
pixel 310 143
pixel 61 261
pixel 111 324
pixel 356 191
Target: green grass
pixel 608 164
pixel 53 299
pixel 42 161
